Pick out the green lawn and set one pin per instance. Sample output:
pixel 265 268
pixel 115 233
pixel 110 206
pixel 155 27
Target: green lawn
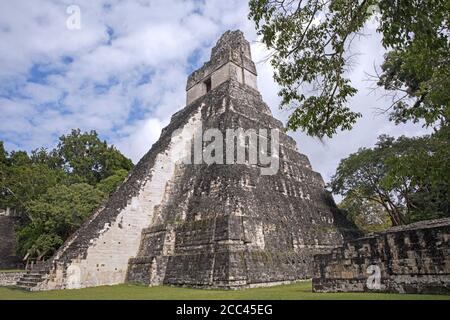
pixel 296 291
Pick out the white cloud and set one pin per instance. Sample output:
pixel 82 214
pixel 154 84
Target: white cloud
pixel 140 137
pixel 89 78
pixel 41 94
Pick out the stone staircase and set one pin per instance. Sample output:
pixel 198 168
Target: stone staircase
pixel 33 277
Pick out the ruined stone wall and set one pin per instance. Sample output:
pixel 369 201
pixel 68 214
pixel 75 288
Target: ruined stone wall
pixel 10 278
pixel 230 59
pixel 409 259
pixel 8 243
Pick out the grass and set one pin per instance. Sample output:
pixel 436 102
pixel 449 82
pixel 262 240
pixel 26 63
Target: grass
pixel 295 291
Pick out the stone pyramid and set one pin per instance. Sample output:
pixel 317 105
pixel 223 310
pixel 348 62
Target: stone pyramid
pixel 178 222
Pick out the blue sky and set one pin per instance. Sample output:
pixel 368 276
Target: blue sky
pixel 123 73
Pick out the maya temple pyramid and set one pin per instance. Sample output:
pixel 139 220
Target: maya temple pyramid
pixel 204 224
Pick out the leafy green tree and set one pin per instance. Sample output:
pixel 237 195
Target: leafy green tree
pixel 4 192
pixel 417 67
pixel 45 157
pixel 423 164
pixel 3 168
pixel 3 154
pixel 19 158
pixel 368 215
pixel 21 179
pixel 311 54
pixel 111 183
pixel 84 155
pixel 26 182
pixel 55 215
pixel 408 177
pixel 56 190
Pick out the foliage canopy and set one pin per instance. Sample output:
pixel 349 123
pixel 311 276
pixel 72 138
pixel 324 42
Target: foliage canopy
pixel 408 177
pixel 311 54
pixel 56 190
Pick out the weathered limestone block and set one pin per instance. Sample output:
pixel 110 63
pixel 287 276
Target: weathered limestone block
pixel 230 60
pixel 410 259
pixel 10 278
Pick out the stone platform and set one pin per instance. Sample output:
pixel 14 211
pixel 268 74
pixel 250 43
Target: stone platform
pixel 410 259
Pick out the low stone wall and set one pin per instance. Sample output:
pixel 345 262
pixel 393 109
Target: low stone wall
pixel 8 243
pixel 10 278
pixel 408 259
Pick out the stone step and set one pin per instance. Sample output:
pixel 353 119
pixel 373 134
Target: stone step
pixel 36 274
pixel 33 275
pixel 31 279
pixel 39 269
pixel 25 283
pixel 35 280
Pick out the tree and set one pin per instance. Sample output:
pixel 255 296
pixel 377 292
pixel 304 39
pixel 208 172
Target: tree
pixel 4 191
pixel 3 154
pixel 86 157
pixel 408 177
pixel 424 161
pixel 111 183
pixel 19 158
pixel 311 54
pixel 368 215
pixel 3 169
pixel 55 215
pixel 49 187
pixel 417 67
pixel 44 157
pixel 26 182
